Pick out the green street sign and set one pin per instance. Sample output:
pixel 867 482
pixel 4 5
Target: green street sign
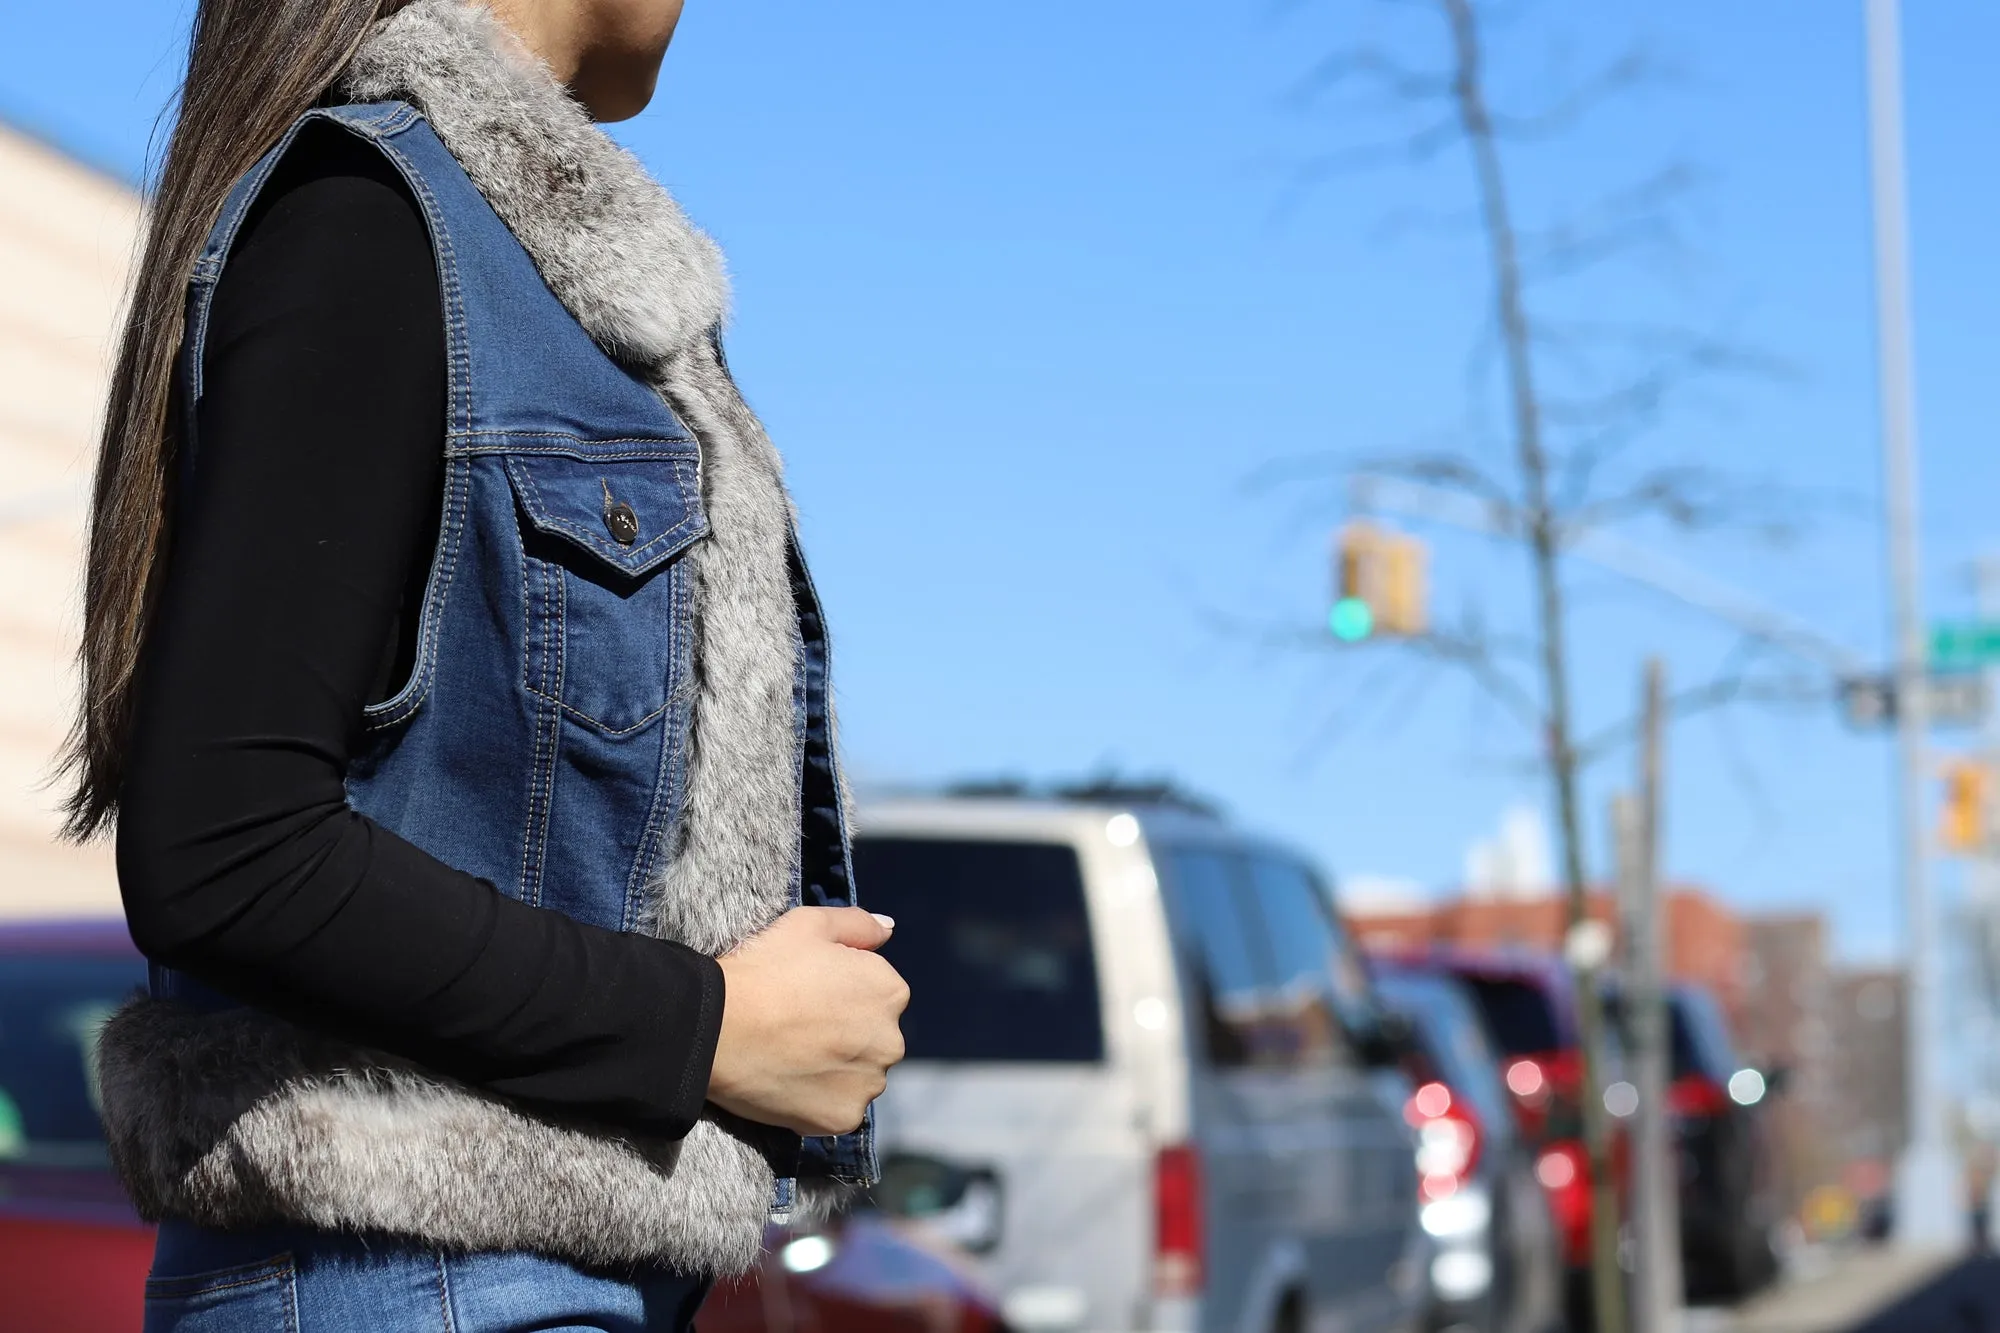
pixel 1967 644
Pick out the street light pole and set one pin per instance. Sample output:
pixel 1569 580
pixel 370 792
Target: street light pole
pixel 1928 1210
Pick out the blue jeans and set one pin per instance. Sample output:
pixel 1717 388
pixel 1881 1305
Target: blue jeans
pixel 299 1280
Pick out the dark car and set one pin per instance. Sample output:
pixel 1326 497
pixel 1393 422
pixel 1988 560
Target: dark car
pixel 1726 1159
pixel 1497 1262
pixel 1730 1207
pixel 74 1256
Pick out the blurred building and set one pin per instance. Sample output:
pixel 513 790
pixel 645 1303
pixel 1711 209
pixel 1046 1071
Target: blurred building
pixel 1865 1064
pixel 1705 940
pixel 67 235
pixel 1784 1024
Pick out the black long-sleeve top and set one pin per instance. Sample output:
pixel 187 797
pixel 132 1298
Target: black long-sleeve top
pixel 291 595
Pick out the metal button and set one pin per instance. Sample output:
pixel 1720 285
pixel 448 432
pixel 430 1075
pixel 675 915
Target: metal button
pixel 620 519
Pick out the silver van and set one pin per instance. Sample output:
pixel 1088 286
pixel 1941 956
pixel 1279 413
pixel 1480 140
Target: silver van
pixel 1154 1058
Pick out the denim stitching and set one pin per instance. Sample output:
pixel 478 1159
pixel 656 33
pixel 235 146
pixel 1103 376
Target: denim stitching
pixel 528 681
pixel 199 1284
pixel 677 446
pixel 450 290
pixel 539 776
pixel 207 270
pixel 395 118
pixel 545 804
pixel 599 725
pixel 542 517
pixel 642 862
pixel 666 774
pixel 404 704
pixel 444 1293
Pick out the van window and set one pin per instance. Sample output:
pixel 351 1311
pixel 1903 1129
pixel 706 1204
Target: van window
pixel 994 939
pixel 50 1011
pixel 1701 1043
pixel 1227 978
pixel 1454 1039
pixel 1518 1014
pixel 1307 957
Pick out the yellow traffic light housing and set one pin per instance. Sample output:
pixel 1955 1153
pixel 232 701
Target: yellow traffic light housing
pixel 1380 584
pixel 1968 797
pixel 1403 587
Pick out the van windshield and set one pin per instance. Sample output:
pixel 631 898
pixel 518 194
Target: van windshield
pixel 50 1010
pixel 994 939
pixel 1518 1015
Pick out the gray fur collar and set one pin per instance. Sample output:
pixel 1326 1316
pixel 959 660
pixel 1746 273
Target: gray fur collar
pixel 610 242
pixel 239 1118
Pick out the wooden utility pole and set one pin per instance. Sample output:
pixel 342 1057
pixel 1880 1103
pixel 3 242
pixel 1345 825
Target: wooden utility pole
pixel 1545 550
pixel 1656 1279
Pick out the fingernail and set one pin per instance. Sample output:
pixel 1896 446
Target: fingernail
pixel 888 922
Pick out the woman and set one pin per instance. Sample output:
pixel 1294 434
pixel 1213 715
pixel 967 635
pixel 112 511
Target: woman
pixel 460 695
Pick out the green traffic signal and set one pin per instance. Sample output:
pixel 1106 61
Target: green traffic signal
pixel 1351 620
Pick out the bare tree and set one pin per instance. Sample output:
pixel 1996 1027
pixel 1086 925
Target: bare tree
pixel 1574 394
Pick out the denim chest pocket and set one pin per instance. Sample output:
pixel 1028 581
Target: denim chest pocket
pixel 609 609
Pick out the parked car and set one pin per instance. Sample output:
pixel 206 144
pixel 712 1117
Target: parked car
pixel 1729 1202
pixel 73 1255
pixel 1527 1004
pixel 1153 1034
pixel 1499 1263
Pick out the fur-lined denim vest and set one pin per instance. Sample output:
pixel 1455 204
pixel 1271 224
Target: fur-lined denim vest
pixel 619 708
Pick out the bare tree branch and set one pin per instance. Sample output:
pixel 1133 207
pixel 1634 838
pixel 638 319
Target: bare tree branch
pixel 1692 499
pixel 1632 69
pixel 1636 220
pixel 1731 687
pixel 1371 69
pixel 1452 472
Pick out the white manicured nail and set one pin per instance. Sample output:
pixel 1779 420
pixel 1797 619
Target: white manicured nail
pixel 888 922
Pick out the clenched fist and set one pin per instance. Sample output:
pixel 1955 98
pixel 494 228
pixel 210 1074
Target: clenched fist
pixel 809 1021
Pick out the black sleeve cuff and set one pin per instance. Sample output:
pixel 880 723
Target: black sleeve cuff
pixel 691 1093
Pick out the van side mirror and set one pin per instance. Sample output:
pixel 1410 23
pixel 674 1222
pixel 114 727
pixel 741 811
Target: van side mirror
pixel 957 1204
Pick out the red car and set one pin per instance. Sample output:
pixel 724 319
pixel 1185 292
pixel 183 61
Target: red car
pixel 73 1255
pixel 1527 1003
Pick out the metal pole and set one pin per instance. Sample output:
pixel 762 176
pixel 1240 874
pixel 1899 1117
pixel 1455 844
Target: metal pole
pixel 1928 1208
pixel 1982 892
pixel 1655 1181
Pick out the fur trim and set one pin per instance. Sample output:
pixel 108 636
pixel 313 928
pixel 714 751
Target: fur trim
pixel 240 1118
pixel 613 246
pixel 345 1139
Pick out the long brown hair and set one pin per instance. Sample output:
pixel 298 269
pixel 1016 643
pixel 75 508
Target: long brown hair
pixel 254 66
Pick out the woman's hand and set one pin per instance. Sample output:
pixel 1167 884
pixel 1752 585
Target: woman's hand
pixel 808 1021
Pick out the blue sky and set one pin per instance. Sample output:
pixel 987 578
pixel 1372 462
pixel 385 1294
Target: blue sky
pixel 1027 297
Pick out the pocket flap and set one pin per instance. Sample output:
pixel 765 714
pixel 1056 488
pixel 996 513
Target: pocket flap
pixel 631 513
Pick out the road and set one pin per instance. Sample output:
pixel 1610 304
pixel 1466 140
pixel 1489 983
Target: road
pixel 1870 1291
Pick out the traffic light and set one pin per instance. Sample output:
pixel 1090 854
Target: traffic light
pixel 1968 796
pixel 1380 584
pixel 1403 587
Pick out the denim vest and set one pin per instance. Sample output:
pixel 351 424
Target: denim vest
pixel 542 739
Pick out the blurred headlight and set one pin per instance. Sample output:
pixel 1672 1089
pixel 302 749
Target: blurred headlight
pixel 1461 1215
pixel 1746 1087
pixel 807 1254
pixel 1459 1275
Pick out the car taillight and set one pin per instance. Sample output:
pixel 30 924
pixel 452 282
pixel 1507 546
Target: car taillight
pixel 1693 1095
pixel 1564 1172
pixel 1177 1232
pixel 1447 1140
pixel 1545 1089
